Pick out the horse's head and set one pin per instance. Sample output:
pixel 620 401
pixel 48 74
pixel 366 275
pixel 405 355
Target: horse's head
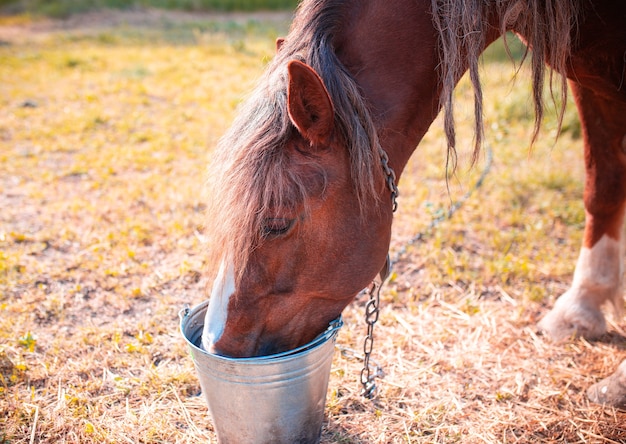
pixel 312 239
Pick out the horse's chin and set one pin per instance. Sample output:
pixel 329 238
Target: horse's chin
pixel 271 349
pixel 273 346
pixel 243 349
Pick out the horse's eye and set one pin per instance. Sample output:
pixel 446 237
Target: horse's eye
pixel 276 226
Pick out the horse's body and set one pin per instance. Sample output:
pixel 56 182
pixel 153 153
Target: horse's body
pixel 302 211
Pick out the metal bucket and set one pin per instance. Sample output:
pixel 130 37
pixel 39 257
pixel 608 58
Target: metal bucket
pixel 277 399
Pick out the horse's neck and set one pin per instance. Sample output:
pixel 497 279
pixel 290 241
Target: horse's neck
pixel 393 54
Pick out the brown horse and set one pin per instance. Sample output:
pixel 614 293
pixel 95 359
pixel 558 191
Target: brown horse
pixel 303 193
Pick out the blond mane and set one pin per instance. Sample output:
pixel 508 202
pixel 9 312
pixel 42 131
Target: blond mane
pixel 547 26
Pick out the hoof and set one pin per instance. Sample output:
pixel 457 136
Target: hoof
pixel 611 390
pixel 570 319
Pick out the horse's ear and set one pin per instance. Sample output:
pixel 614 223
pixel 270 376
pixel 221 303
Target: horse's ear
pixel 310 108
pixel 279 43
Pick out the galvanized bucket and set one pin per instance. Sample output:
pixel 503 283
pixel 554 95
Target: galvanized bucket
pixel 277 399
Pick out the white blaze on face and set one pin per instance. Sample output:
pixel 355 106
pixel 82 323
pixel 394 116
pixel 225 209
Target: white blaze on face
pixel 215 319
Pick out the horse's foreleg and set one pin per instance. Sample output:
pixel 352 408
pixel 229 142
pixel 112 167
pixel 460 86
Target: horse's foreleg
pixel 598 276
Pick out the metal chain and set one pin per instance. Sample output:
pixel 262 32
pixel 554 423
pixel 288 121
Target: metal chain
pixel 369 372
pixel 391 178
pixel 372 308
pixel 372 311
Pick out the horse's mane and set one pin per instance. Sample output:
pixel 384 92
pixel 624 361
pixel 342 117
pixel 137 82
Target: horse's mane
pixel 546 25
pixel 249 174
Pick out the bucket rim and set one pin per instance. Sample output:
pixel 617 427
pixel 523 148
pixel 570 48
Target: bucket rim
pixel 330 332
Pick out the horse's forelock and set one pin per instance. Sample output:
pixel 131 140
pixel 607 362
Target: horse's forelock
pixel 234 187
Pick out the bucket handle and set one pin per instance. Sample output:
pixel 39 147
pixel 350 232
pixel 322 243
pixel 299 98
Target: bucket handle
pixel 184 312
pixel 333 327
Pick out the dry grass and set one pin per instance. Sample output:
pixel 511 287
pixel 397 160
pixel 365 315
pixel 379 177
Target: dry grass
pixel 103 140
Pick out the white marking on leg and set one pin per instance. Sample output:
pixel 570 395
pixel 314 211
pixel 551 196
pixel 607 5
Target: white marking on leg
pixel 215 318
pixel 599 274
pixel 598 279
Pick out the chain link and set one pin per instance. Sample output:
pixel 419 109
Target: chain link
pixel 390 177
